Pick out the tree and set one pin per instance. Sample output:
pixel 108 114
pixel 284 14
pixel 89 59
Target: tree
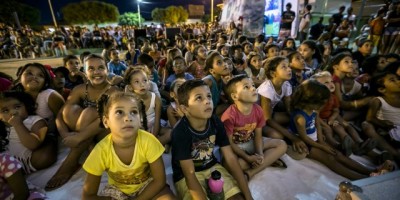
pixel 26 14
pixel 130 18
pixel 174 15
pixel 90 12
pixel 158 14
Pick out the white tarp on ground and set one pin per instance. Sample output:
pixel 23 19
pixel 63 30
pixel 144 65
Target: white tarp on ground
pixel 305 179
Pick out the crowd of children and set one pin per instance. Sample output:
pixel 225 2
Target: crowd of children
pixel 236 109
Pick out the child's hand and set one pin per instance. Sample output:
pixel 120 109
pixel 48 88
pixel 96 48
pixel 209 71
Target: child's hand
pixel 260 158
pixel 345 123
pixel 253 161
pixel 300 146
pixel 333 122
pixel 14 120
pixel 72 140
pixel 329 149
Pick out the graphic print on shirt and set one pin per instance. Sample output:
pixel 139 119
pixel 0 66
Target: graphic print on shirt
pixel 202 151
pixel 245 133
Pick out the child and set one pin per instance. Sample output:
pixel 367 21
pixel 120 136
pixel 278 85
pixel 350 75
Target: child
pixel 26 131
pixel 309 97
pixel 312 57
pixel 383 119
pixel 147 60
pixel 363 51
pixel 376 30
pixel 341 65
pixel 132 55
pixel 77 121
pixel 216 69
pixel 193 142
pixel 179 67
pixel 59 82
pixel 197 67
pixel 289 43
pixel 254 68
pixel 238 58
pixel 173 112
pixel 243 123
pixel 297 64
pixel 131 156
pixel 275 89
pixel 271 50
pixel 75 76
pixel 138 83
pixel 155 53
pixel 115 66
pixel 331 119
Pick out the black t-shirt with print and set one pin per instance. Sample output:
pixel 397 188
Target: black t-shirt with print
pixel 198 146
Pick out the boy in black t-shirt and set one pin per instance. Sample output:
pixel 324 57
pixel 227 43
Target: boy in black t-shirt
pixel 194 138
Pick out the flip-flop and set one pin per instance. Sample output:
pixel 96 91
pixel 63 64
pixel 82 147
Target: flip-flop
pixel 61 181
pixel 279 163
pixel 365 147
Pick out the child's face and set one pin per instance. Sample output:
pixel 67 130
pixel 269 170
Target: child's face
pixel 297 62
pixel 327 50
pixel 225 51
pixel 59 80
pixel 256 62
pixel 229 65
pixel 32 79
pixel 328 82
pixel 248 48
pixel 284 53
pixel 219 68
pixel 179 66
pixel 366 48
pixel 238 54
pixel 283 71
pixel 290 44
pixel 306 51
pixel 140 83
pixel 72 65
pixel 356 70
pixel 382 62
pixel 202 53
pixel 345 65
pixel 11 107
pixel 123 119
pixel 391 83
pixel 245 91
pixel 200 103
pixel 96 71
pixel 177 85
pixel 114 55
pixel 273 52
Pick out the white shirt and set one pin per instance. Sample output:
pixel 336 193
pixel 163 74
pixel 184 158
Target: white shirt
pixel 267 90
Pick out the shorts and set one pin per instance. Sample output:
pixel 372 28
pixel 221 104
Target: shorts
pixel 249 146
pixel 392 30
pixel 115 193
pixel 230 185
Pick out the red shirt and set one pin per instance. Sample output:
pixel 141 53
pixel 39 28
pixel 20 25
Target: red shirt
pixel 327 110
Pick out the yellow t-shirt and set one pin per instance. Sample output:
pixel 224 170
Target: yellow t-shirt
pixel 128 178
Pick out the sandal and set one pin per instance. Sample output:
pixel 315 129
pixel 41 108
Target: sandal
pixel 386 167
pixel 347 146
pixel 279 163
pixel 365 147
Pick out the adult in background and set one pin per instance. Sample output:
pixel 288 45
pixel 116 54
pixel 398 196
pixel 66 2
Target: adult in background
pixel 286 22
pixel 338 17
pixel 305 23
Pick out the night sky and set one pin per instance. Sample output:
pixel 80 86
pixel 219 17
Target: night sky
pixel 123 5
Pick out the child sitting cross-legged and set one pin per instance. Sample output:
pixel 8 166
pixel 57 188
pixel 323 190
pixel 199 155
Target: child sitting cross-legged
pixel 243 122
pixel 131 156
pixel 194 139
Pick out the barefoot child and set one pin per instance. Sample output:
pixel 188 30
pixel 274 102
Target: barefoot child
pixel 307 100
pixel 193 141
pixel 243 123
pixel 131 156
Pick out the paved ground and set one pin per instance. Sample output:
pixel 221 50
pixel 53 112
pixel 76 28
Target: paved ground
pixel 10 66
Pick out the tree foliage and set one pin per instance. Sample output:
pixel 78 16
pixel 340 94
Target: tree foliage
pixel 90 12
pixel 171 14
pixel 130 18
pixel 26 14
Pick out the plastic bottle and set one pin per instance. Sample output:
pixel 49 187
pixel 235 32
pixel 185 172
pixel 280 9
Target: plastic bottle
pixel 216 182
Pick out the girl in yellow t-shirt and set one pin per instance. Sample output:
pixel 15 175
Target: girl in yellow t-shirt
pixel 131 157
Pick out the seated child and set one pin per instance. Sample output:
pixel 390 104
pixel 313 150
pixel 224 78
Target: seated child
pixel 383 119
pixel 331 120
pixel 179 67
pixel 115 66
pixel 174 114
pixel 243 123
pixel 194 139
pixel 131 156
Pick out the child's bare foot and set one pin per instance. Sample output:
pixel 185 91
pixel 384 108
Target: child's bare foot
pixel 62 176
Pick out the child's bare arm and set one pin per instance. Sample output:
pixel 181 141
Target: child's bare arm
pixel 33 138
pixel 258 141
pixel 61 125
pixel 158 183
pixel 286 101
pixel 56 101
pixel 171 116
pixel 156 128
pixel 240 153
pixel 18 185
pixel 237 173
pixel 194 187
pixel 334 116
pixel 91 187
pixel 374 106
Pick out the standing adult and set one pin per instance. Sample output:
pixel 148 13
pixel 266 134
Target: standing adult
pixel 305 23
pixel 286 22
pixel 338 17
